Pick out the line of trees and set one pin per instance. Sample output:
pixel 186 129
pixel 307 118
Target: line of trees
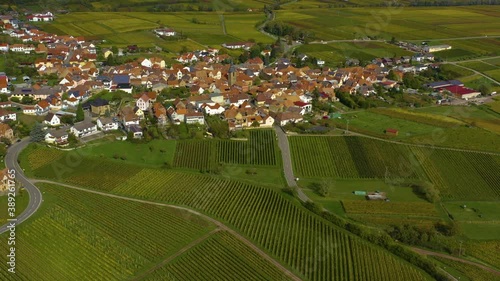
pixel 279 28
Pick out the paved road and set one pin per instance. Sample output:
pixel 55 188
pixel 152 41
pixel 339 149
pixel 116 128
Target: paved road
pixel 34 194
pixel 287 163
pixel 216 222
pixel 429 253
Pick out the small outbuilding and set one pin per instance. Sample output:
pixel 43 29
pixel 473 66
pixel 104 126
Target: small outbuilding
pixel 391 132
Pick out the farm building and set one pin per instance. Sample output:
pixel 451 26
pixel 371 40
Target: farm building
pixel 462 92
pixel 391 132
pixel 376 196
pixel 436 48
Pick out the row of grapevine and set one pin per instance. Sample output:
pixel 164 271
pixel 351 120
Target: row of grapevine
pixel 455 173
pixel 195 154
pixel 222 257
pixel 462 175
pixel 84 236
pixel 486 251
pixel 471 272
pixel 262 147
pixel 204 155
pixel 301 240
pixel 352 157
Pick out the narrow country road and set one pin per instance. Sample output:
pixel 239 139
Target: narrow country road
pixel 35 195
pixel 287 163
pixel 473 70
pixel 430 253
pixel 216 222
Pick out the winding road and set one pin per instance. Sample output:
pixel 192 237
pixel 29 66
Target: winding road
pixel 35 195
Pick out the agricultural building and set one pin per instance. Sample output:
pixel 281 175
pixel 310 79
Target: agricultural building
pixel 391 132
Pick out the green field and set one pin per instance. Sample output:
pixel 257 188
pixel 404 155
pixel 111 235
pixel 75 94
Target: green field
pixel 313 248
pixel 336 53
pixel 470 272
pixel 479 220
pixel 121 29
pixel 205 155
pixel 403 23
pixel 230 259
pixel 454 173
pixel 81 234
pixel 479 66
pixel 155 153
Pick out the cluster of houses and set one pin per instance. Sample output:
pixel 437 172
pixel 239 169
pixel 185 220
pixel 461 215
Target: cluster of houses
pixel 246 95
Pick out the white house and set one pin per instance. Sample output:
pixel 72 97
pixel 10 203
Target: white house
pixel 146 63
pixel 107 124
pixel 56 136
pixel 29 110
pixel 4 47
pixel 165 32
pixel 130 119
pixel 52 120
pixel 143 102
pixel 213 109
pixel 48 16
pixel 305 107
pixel 194 118
pixel 7 115
pixel 42 108
pixel 83 129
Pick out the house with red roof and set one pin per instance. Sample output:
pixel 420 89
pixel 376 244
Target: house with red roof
pixel 462 92
pixel 42 107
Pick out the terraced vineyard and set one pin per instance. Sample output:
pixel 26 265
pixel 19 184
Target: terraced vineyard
pixel 86 235
pixel 260 149
pixel 229 259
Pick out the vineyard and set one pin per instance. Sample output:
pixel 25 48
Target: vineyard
pixel 455 173
pixel 389 208
pixel 486 251
pixel 352 157
pixel 419 117
pixel 221 255
pixel 472 272
pixel 307 244
pixel 97 238
pixel 205 155
pixel 458 173
pixel 39 156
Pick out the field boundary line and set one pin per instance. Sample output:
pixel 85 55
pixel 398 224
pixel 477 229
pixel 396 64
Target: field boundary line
pixel 181 251
pixel 216 222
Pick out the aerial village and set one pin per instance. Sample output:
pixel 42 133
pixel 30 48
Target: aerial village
pixel 246 95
